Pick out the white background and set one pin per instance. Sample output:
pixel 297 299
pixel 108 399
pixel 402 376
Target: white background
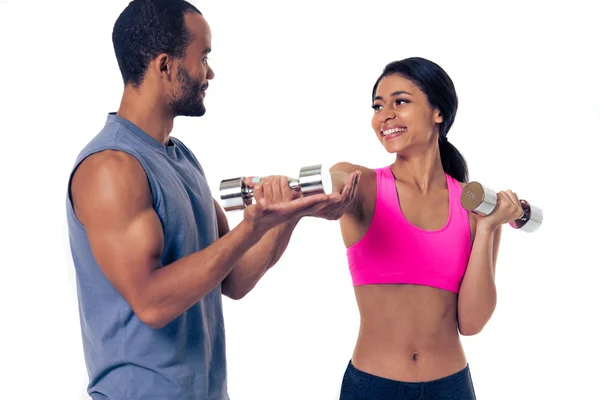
pixel 292 88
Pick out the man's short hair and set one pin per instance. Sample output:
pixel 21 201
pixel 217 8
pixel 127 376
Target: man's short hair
pixel 147 28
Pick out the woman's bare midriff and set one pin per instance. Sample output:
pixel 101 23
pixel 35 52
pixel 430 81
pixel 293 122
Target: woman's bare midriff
pixel 408 333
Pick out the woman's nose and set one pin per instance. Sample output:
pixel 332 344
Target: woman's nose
pixel 386 115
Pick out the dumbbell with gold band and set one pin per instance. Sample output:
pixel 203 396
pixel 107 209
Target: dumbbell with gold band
pixel 313 179
pixel 481 200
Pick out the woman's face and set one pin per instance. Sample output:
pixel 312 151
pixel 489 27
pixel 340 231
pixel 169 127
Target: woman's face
pixel 403 119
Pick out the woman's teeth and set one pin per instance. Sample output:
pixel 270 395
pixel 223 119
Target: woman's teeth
pixel 393 130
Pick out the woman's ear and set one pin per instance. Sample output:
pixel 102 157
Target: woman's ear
pixel 438 118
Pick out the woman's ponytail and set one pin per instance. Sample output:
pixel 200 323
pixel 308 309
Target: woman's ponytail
pixel 453 162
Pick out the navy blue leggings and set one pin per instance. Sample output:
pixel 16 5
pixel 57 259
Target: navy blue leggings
pixel 359 385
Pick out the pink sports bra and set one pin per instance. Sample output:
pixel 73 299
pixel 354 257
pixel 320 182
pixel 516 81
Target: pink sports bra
pixel 395 251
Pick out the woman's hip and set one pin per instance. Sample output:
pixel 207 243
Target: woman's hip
pixel 361 385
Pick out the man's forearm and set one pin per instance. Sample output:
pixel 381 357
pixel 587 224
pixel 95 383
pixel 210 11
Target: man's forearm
pixel 257 261
pixel 174 288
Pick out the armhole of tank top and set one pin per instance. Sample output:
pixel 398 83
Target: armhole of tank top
pixel 152 183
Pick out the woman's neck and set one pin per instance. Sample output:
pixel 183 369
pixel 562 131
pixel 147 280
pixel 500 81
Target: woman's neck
pixel 424 171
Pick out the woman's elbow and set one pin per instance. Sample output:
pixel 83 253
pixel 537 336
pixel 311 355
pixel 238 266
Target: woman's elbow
pixel 470 329
pixel 473 318
pixel 473 326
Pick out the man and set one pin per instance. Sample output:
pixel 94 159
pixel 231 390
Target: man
pixel 152 249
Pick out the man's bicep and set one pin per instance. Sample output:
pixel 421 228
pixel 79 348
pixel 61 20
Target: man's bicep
pixel 114 204
pixel 128 252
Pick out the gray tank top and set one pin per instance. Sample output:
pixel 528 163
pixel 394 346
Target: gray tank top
pixel 125 358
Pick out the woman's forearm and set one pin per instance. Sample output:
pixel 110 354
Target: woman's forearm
pixel 477 295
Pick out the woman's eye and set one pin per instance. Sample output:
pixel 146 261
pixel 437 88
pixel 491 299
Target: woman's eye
pixel 376 107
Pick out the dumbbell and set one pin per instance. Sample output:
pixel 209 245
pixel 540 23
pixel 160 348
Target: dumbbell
pixel 481 200
pixel 313 179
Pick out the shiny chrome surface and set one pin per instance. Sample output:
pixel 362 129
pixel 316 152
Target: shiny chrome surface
pixel 531 220
pixel 235 195
pixel 313 179
pixel 477 198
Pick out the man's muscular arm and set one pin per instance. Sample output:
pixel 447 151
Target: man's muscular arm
pixel 267 252
pixel 257 260
pixel 112 199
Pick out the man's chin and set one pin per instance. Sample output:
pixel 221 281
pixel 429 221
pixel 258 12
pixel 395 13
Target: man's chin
pixel 192 112
pixel 198 113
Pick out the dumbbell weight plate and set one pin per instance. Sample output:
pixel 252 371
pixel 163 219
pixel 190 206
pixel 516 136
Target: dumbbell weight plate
pixel 531 220
pixel 477 198
pixel 235 195
pixel 314 179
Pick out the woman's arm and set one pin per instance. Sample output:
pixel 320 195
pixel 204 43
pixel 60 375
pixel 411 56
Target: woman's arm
pixel 341 173
pixel 477 294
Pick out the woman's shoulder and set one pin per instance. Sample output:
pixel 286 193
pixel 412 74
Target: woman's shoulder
pixel 456 182
pixel 358 217
pixel 367 186
pixel 349 167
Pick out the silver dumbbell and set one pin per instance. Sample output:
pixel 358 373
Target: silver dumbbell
pixel 314 179
pixel 481 200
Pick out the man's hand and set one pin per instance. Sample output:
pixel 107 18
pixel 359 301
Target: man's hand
pixel 277 203
pixel 272 190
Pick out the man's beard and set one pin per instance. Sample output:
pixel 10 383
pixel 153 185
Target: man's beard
pixel 187 101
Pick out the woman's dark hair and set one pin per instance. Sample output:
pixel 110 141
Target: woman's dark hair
pixel 440 92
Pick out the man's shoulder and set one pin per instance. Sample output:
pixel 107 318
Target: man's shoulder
pixel 113 136
pixel 106 137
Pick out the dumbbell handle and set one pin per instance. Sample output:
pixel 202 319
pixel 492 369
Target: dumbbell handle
pixel 292 182
pixel 313 179
pixel 482 200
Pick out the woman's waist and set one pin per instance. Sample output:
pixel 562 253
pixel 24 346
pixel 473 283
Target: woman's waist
pixel 406 337
pixel 415 360
pixel 407 312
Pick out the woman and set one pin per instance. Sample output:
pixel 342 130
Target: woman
pixel 422 267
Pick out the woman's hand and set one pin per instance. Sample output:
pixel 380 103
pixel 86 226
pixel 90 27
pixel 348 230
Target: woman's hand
pixel 508 208
pixel 347 197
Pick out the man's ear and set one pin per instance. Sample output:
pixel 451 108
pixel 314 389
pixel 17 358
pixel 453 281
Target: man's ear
pixel 163 66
